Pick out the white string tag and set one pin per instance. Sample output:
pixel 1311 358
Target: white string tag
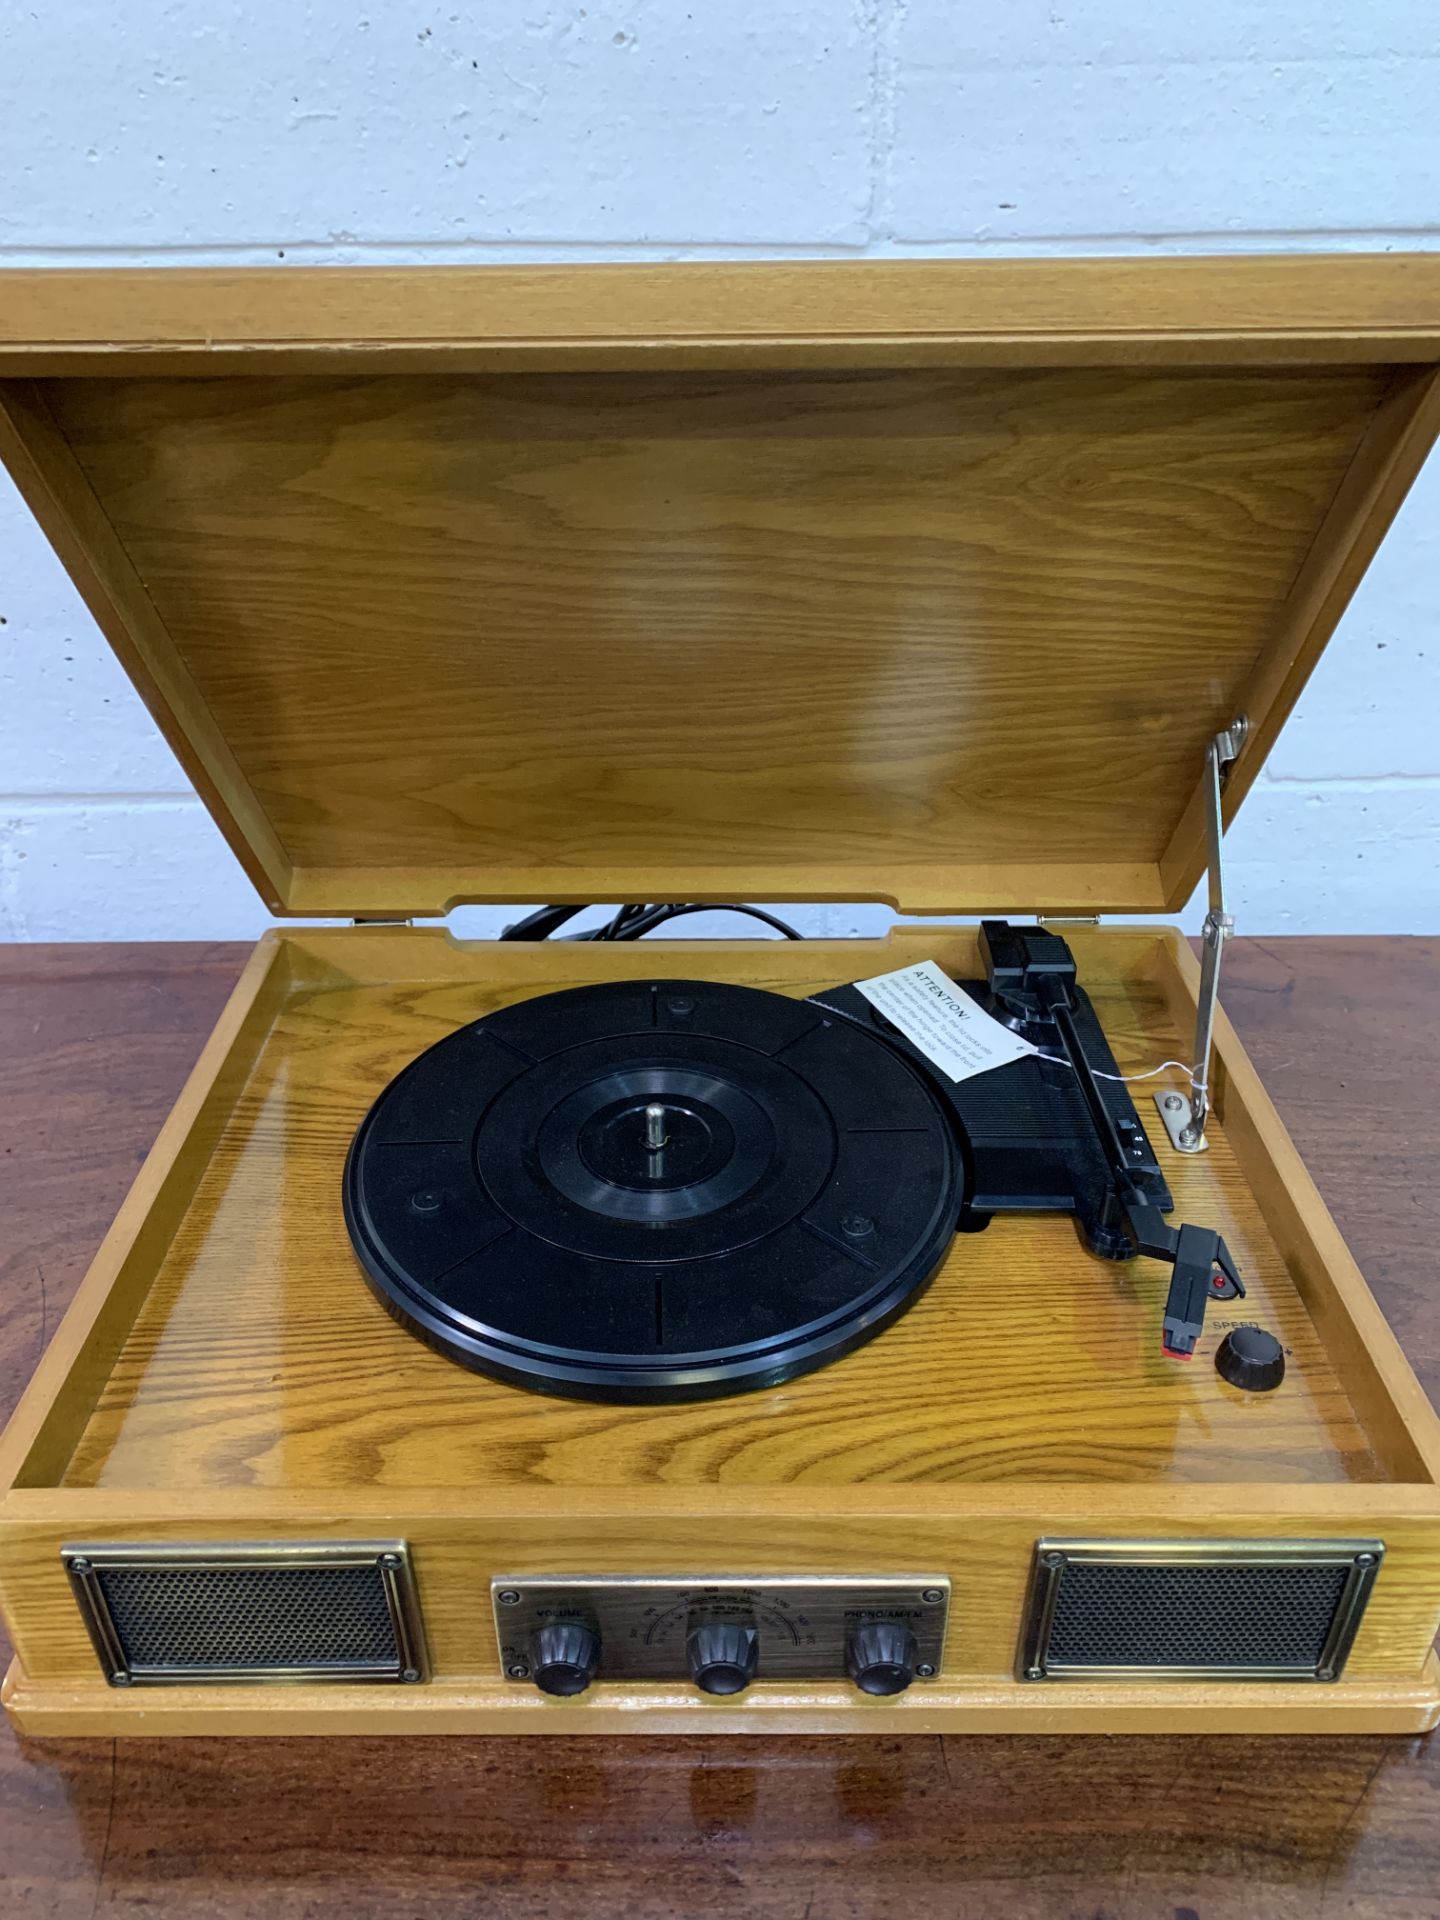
pixel 943 1021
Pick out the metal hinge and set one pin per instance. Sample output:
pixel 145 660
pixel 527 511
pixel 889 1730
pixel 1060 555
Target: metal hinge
pixel 1184 1117
pixel 1068 919
pixel 380 920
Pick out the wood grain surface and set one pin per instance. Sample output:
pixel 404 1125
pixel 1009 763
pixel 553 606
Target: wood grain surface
pixel 259 1359
pixel 1222 310
pixel 806 581
pixel 224 1368
pixel 584 634
pixel 97 1042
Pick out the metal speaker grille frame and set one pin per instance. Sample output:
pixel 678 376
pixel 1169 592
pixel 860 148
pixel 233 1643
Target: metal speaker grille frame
pixel 244 1625
pixel 1256 1578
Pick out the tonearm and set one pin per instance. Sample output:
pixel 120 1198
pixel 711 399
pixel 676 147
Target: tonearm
pixel 1032 976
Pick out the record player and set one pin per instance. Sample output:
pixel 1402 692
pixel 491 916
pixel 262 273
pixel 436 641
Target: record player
pixel 612 1334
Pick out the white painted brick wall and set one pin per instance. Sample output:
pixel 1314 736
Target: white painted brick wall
pixel 184 131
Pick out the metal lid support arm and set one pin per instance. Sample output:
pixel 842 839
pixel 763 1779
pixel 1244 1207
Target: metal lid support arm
pixel 1185 1119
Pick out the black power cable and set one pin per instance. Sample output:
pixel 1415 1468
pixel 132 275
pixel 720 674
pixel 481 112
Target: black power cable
pixel 646 922
pixel 540 924
pixel 625 918
pixel 634 921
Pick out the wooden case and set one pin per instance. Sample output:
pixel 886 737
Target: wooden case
pixel 920 583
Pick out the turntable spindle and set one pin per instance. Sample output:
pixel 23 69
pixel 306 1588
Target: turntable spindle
pixel 655 1133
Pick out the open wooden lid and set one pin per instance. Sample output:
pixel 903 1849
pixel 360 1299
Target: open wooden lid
pixel 918 582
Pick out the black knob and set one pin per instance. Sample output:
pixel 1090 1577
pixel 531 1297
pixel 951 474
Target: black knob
pixel 563 1657
pixel 723 1655
pixel 1251 1358
pixel 881 1656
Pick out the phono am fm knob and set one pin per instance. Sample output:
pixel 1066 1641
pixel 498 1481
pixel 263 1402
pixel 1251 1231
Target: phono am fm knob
pixel 882 1656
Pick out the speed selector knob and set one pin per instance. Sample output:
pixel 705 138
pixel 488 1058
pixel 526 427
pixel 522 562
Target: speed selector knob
pixel 723 1655
pixel 563 1657
pixel 881 1657
pixel 1251 1359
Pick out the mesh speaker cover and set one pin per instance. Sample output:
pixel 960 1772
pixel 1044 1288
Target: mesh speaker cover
pixel 1232 1609
pixel 333 1611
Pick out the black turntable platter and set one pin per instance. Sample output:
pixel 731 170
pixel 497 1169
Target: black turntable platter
pixel 659 1190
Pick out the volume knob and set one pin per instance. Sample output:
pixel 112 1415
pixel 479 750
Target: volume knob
pixel 563 1657
pixel 881 1657
pixel 723 1655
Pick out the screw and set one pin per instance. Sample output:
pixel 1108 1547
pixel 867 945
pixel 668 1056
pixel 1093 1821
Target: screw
pixel 1054 1559
pixel 427 1200
pixel 391 1560
pixel 119 1679
pixel 932 1596
pixel 509 1596
pixel 924 1671
pixel 519 1671
pixel 1187 1136
pixel 1364 1559
pixel 855 1226
pixel 79 1566
pixel 680 1006
pixel 1173 1103
pixel 411 1673
pixel 1034 1673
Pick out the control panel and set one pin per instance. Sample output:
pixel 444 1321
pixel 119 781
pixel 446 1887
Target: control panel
pixel 880 1633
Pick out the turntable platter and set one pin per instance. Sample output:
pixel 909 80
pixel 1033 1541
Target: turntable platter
pixel 654 1190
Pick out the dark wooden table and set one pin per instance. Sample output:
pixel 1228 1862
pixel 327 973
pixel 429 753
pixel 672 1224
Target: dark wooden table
pixel 95 1042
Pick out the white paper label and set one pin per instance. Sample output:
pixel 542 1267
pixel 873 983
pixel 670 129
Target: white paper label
pixel 943 1021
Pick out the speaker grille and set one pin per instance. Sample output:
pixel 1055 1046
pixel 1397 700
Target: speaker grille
pixel 1232 1609
pixel 332 1611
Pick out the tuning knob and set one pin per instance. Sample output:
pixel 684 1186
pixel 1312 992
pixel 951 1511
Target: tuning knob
pixel 881 1656
pixel 563 1657
pixel 1251 1358
pixel 723 1655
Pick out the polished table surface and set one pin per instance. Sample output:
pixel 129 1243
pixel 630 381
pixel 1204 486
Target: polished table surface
pixel 95 1042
